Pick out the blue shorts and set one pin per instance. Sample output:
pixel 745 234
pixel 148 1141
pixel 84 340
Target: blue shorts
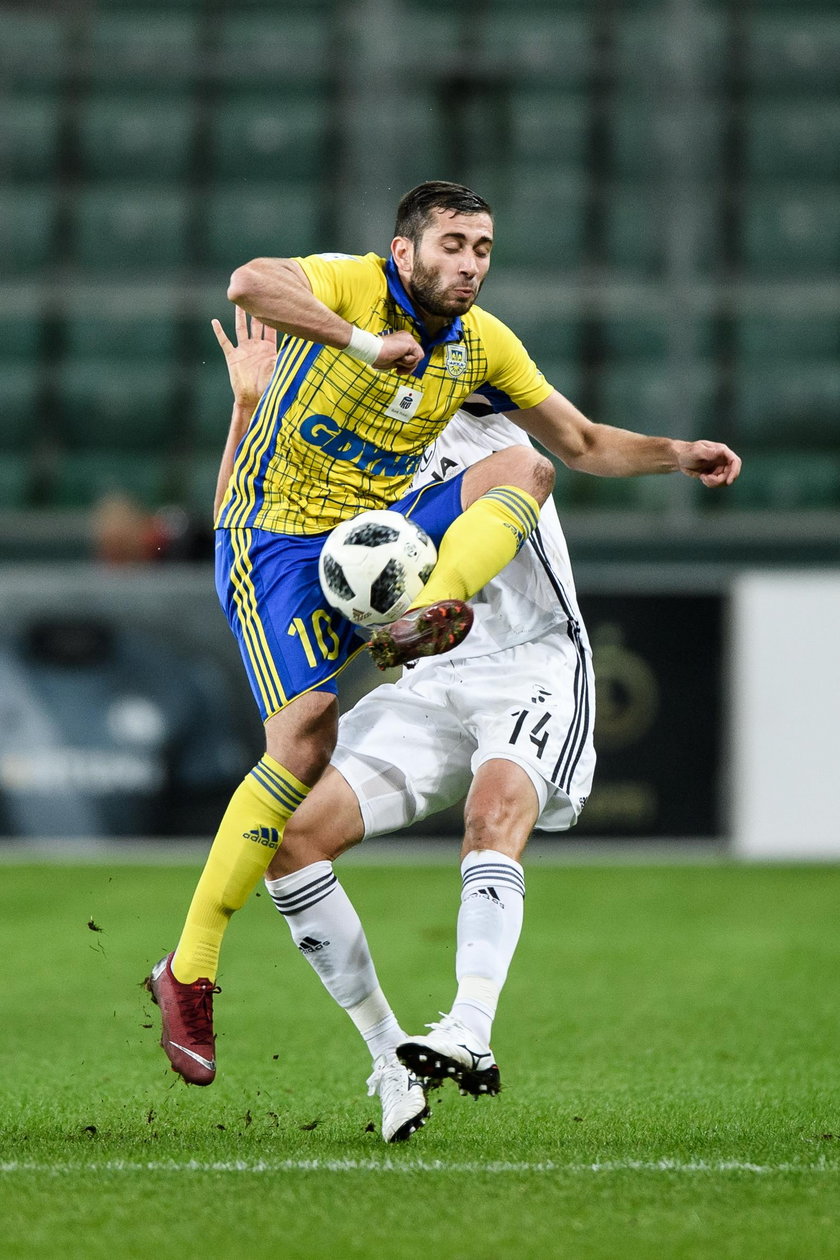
pixel 290 639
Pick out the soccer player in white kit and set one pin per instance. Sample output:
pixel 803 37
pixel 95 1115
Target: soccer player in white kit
pixel 507 718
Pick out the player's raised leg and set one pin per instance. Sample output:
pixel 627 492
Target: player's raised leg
pixel 501 497
pixel 328 933
pixel 501 810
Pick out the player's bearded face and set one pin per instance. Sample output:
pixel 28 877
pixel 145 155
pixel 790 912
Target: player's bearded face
pixel 440 294
pixel 443 271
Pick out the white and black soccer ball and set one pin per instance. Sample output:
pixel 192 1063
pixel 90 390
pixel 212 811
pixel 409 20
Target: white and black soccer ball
pixel 374 565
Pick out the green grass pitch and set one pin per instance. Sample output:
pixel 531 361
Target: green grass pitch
pixel 668 1041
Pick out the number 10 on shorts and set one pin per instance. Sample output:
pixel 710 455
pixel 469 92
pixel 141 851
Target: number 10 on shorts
pixel 318 640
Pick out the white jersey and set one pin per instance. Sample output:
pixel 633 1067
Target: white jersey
pixel 519 688
pixel 535 591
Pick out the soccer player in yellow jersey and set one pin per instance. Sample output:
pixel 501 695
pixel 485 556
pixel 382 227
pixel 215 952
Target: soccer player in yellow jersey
pixel 375 356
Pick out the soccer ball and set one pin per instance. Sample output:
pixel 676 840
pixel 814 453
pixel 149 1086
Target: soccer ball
pixel 374 565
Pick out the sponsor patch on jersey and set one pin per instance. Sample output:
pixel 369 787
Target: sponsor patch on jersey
pixel 456 359
pixel 404 403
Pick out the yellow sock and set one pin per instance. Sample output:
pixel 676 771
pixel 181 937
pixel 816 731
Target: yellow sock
pixel 248 835
pixel 479 543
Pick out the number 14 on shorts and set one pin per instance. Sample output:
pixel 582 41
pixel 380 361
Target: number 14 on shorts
pixel 537 733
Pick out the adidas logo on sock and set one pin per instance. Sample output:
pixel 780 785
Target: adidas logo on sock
pixel 309 945
pixel 267 836
pixel 489 894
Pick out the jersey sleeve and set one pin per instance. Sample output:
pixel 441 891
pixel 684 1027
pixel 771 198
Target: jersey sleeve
pixel 514 381
pixel 348 284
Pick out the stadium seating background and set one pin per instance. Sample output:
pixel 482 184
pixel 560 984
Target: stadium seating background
pixel 666 178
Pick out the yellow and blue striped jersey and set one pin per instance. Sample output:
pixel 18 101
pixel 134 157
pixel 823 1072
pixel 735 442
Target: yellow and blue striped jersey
pixel 331 436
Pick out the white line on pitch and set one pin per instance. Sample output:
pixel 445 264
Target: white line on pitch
pixel 414 1165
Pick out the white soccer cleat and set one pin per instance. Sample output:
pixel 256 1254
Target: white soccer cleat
pixel 403 1098
pixel 452 1052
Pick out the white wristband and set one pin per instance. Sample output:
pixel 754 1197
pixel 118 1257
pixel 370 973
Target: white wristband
pixel 364 346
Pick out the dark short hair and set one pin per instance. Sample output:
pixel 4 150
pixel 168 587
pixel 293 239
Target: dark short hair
pixel 415 209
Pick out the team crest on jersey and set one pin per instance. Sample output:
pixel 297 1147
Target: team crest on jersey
pixel 456 360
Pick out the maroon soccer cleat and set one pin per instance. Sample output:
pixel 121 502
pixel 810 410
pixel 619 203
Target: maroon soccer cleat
pixel 186 1012
pixel 426 631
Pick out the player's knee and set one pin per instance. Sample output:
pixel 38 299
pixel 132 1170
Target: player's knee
pixel 501 809
pixel 520 466
pixel 496 823
pixel 543 477
pixel 484 820
pixel 530 470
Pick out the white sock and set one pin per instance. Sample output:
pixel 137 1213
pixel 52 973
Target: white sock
pixel 489 924
pixel 328 932
pixel 378 1025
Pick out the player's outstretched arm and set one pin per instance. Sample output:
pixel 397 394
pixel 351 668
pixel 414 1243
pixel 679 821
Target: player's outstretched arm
pixel 609 452
pixel 277 292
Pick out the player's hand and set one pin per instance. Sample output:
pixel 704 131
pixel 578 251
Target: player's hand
pixel 250 362
pixel 400 353
pixel 710 462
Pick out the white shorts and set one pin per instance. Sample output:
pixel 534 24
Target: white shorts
pixel 411 748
